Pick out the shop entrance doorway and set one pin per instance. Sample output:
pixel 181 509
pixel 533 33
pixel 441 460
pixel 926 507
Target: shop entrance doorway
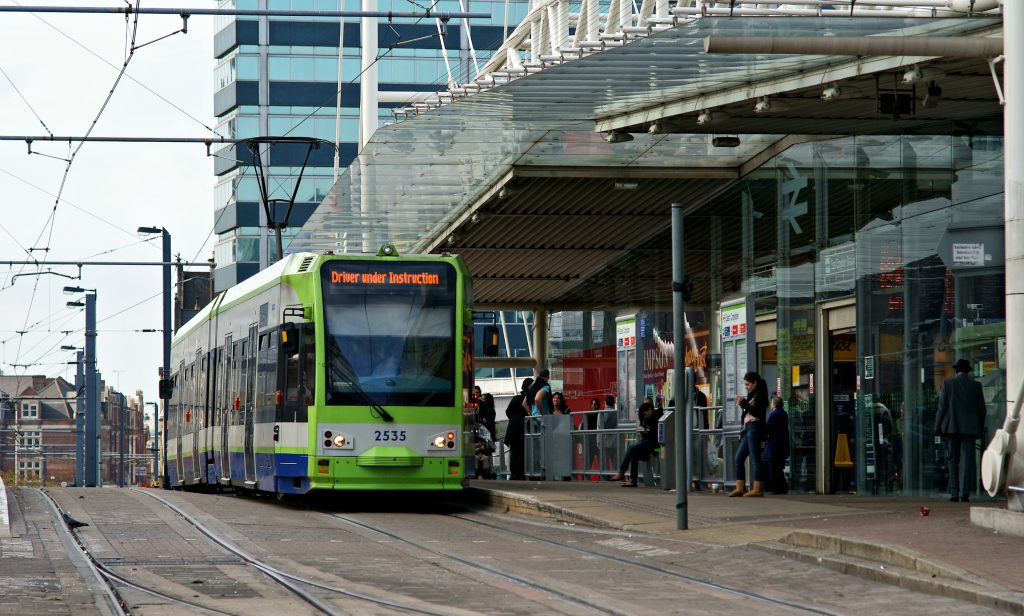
pixel 842 409
pixel 835 402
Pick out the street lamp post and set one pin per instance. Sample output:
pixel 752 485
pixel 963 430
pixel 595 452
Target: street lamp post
pixel 165 375
pixel 91 473
pixel 79 414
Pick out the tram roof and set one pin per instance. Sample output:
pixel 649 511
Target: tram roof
pixel 521 182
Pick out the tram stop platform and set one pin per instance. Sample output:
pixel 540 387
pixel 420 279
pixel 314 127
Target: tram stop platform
pixel 886 539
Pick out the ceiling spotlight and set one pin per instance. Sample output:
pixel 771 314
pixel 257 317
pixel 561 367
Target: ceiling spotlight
pixel 931 100
pixel 831 93
pixel 617 137
pixel 728 141
pixel 913 75
pixel 656 128
pixel 704 117
pixel 762 105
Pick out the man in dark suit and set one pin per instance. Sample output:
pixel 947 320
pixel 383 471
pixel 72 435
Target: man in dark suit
pixel 961 420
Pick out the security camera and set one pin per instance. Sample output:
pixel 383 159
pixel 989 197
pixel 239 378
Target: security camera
pixel 913 75
pixel 704 117
pixel 762 105
pixel 830 93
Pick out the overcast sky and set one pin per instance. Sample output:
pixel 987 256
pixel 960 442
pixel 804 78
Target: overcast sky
pixel 59 63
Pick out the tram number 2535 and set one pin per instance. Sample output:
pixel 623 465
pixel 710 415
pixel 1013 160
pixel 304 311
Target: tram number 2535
pixel 389 435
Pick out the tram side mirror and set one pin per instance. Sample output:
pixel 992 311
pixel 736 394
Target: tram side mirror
pixel 166 388
pixel 490 340
pixel 289 338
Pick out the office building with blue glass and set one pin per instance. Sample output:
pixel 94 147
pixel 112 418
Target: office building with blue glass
pixel 278 77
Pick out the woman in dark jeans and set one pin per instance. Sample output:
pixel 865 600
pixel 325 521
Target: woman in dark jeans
pixel 755 408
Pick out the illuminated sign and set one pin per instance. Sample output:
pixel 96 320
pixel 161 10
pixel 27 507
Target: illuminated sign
pixel 386 277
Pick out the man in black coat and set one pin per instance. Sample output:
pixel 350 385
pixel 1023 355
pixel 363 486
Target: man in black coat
pixel 961 420
pixel 515 432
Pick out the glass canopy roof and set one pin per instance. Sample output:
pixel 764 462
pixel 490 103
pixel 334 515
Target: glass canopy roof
pixel 416 177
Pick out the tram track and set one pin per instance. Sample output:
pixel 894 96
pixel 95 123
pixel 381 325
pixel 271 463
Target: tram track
pixel 289 580
pixel 561 595
pixel 481 566
pixel 111 582
pixel 788 604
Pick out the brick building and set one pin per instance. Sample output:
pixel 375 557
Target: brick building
pixel 37 432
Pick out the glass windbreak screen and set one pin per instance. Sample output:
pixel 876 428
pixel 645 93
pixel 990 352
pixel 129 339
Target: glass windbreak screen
pixel 389 332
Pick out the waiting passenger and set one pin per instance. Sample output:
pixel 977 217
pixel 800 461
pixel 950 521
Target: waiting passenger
pixel 515 431
pixel 558 405
pixel 754 408
pixel 642 448
pixel 486 415
pixel 776 451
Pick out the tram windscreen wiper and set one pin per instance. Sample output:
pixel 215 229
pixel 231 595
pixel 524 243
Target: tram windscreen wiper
pixel 338 364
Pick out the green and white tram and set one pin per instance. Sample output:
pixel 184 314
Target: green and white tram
pixel 327 372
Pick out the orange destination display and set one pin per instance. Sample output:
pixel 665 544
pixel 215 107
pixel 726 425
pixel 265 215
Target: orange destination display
pixel 386 277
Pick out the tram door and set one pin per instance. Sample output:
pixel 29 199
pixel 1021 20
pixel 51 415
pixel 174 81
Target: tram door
pixel 842 408
pixel 248 403
pixel 223 404
pixel 179 420
pixel 198 423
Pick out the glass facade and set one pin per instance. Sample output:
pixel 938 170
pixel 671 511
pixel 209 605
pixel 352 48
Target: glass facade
pixel 873 264
pixel 287 86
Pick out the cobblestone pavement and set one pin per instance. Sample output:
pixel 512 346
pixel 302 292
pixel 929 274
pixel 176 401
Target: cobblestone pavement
pixel 437 557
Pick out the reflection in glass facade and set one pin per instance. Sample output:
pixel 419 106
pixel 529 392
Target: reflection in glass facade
pixel 279 77
pixel 873 264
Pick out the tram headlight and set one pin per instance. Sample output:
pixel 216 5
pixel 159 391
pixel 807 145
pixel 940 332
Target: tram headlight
pixel 334 439
pixel 444 440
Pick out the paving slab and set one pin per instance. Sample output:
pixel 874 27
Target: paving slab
pixel 945 535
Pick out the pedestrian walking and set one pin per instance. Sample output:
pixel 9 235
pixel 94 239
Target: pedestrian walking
pixel 755 407
pixel 960 420
pixel 515 431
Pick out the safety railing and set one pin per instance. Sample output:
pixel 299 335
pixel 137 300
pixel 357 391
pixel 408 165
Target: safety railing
pixel 579 447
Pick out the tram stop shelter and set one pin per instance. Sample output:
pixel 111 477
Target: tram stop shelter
pixel 827 167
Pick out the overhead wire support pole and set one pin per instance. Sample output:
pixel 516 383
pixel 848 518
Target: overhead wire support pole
pixel 191 12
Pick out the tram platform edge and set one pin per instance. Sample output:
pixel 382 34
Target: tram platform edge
pixel 886 538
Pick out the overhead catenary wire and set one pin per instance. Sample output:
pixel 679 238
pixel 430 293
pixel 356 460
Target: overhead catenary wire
pixel 66 202
pixel 113 66
pixel 25 100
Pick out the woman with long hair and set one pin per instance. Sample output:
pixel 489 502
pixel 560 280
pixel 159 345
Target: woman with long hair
pixel 755 408
pixel 558 405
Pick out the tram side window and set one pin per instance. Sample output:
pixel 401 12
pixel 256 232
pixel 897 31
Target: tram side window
pixel 292 364
pixel 175 413
pixel 205 388
pixel 216 399
pixel 243 375
pixel 252 387
pixel 266 383
pixel 300 376
pixel 309 364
